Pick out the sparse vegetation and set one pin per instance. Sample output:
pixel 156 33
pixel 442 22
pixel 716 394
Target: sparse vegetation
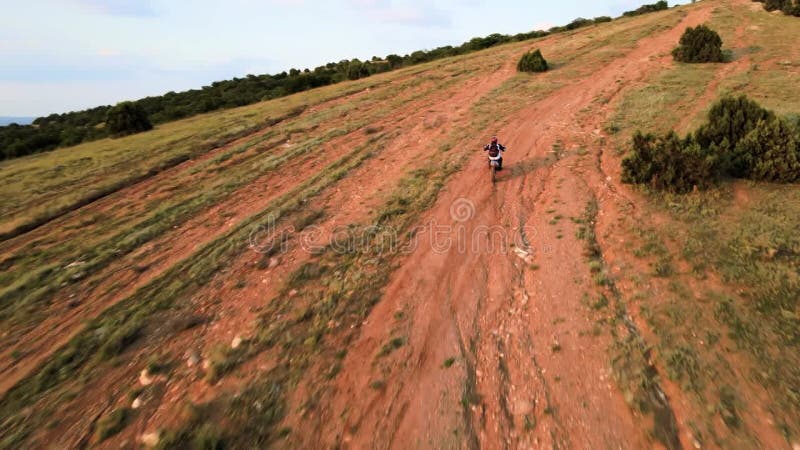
pixel 111 424
pixel 392 345
pixel 745 243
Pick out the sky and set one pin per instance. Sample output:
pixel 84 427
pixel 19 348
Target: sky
pixel 66 55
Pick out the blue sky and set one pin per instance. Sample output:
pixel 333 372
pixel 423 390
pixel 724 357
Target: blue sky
pixel 63 55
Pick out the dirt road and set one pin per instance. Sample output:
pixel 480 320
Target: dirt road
pixel 494 307
pixel 498 320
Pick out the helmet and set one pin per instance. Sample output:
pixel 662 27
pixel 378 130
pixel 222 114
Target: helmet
pixel 494 140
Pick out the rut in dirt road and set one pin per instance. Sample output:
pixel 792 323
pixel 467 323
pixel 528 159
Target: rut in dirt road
pixel 499 351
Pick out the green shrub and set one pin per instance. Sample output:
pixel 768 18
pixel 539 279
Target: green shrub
pixel 699 45
pixel 729 121
pixel 127 118
pixel 580 22
pixel 789 7
pixel 740 139
pixel 644 9
pixel 770 152
pixel 532 62
pixel 669 163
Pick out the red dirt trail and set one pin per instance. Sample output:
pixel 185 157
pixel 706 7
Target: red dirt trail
pixel 500 349
pixel 510 317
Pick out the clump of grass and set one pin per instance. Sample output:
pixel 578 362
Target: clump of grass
pixel 391 346
pixel 308 219
pixel 253 413
pixel 112 423
pixel 333 371
pixel 601 302
pixel 207 437
pixel 307 272
pixel 602 279
pixel 378 385
pixel 222 359
pixel 683 366
pixel 157 365
pixel 728 407
pixel 120 339
pixel 663 268
pixel 449 362
pixel 530 422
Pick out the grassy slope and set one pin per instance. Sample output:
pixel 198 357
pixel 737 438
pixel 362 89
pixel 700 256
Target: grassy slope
pixel 727 257
pixel 36 270
pixel 725 238
pixel 77 358
pixel 89 352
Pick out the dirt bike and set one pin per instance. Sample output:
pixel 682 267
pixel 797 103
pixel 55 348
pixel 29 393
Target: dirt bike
pixel 494 164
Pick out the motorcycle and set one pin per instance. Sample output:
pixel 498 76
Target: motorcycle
pixel 494 164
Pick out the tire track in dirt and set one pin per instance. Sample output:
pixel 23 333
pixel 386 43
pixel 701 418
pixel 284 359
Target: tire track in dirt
pixel 120 279
pixel 429 278
pixel 346 201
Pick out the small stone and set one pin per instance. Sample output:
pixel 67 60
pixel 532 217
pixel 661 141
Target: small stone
pixel 206 364
pixel 137 403
pixel 237 341
pixel 78 276
pixel 192 359
pixel 796 446
pixel 150 439
pixel 144 378
pixel 293 292
pixel 273 263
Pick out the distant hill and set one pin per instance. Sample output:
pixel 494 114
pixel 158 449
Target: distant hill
pixel 18 120
pixel 72 128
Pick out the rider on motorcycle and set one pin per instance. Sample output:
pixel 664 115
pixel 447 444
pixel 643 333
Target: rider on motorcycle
pixel 494 149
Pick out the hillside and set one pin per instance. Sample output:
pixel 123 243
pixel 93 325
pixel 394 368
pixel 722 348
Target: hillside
pixel 335 269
